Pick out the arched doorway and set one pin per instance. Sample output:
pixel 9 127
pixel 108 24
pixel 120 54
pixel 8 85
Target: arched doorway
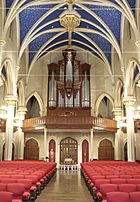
pixel 106 150
pixel 69 149
pixel 85 151
pixel 52 151
pixel 31 150
pixel 125 152
pixel 13 151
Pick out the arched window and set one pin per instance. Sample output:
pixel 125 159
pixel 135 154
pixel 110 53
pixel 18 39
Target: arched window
pixel 32 108
pixel 105 108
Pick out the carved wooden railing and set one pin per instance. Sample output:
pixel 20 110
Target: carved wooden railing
pixel 32 123
pixel 69 122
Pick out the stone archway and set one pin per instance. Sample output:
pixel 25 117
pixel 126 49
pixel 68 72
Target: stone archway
pixel 69 150
pixel 106 150
pixel 31 150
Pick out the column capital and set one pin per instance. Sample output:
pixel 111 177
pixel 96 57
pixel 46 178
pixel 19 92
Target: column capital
pixel 2 42
pixel 137 43
pixel 117 111
pixel 22 110
pixel 11 100
pixel 17 68
pixel 129 101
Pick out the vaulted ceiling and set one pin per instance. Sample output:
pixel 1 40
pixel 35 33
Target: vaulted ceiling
pixel 99 29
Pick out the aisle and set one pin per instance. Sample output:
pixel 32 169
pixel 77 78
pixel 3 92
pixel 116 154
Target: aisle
pixel 66 186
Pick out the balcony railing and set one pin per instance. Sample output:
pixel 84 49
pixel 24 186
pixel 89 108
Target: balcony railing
pixel 69 122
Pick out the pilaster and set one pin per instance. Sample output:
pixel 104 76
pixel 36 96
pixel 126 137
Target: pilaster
pixel 11 102
pixel 129 102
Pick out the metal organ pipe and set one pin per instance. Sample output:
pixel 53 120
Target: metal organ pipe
pixel 52 91
pixel 85 91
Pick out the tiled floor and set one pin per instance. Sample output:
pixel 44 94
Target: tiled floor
pixel 66 186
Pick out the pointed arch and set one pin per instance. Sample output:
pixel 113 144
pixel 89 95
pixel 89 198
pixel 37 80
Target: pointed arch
pixel 99 99
pixel 39 99
pixel 21 93
pixel 129 75
pixel 11 76
pixel 118 94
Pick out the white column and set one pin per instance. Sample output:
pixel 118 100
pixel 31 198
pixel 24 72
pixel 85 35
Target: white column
pixel 91 144
pixel 45 143
pixel 58 154
pixel 9 126
pixel 118 114
pixel 129 102
pixel 20 143
pixel 79 154
pixel 21 116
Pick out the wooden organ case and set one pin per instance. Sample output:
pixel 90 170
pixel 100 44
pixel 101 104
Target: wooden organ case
pixel 69 87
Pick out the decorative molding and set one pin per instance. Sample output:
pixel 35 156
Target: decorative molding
pixel 129 101
pixel 11 100
pixel 22 110
pixel 137 43
pixel 117 112
pixel 2 43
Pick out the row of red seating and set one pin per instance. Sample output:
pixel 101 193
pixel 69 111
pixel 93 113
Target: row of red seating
pixel 107 188
pixel 17 189
pixel 6 196
pixel 123 197
pixel 110 173
pixel 25 179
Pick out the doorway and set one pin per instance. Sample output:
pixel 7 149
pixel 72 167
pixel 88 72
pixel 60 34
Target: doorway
pixel 52 151
pixel 69 149
pixel 31 150
pixel 85 151
pixel 106 150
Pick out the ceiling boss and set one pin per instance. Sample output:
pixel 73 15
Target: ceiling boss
pixel 70 19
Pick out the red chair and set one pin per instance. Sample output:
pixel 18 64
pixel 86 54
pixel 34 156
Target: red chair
pixel 3 187
pixel 101 181
pixel 104 189
pixel 6 196
pixel 17 176
pixel 126 176
pixel 117 197
pixel 8 180
pixel 97 177
pixel 133 181
pixel 118 181
pixel 127 188
pixel 138 187
pixel 134 196
pixel 17 189
pixel 111 176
